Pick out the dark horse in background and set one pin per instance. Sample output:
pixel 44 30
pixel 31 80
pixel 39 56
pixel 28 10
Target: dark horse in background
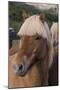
pixel 12 36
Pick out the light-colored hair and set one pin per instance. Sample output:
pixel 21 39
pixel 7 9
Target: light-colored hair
pixel 33 25
pixel 54 37
pixel 54 31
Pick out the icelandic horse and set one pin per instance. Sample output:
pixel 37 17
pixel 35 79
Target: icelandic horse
pixel 28 67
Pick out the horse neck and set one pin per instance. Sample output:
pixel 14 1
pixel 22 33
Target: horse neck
pixel 34 75
pixel 42 68
pixel 39 73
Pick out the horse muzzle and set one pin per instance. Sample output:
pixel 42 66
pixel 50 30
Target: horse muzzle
pixel 23 68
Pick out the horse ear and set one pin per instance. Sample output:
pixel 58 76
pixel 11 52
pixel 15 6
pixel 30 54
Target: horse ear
pixel 42 17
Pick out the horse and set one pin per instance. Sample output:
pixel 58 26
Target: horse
pixel 28 67
pixel 55 34
pixel 53 71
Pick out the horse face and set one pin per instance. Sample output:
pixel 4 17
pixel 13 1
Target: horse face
pixel 32 49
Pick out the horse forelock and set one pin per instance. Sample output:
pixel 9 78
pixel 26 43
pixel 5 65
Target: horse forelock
pixel 32 26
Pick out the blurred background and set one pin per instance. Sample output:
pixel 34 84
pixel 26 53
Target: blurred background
pixel 19 11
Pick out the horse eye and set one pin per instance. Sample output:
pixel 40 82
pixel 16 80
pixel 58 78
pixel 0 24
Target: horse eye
pixel 37 38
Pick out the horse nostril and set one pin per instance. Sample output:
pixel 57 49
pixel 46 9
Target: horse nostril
pixel 20 70
pixel 21 67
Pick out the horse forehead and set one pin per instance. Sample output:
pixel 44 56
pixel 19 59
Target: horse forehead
pixel 25 41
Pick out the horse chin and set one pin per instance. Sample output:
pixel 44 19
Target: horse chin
pixel 21 74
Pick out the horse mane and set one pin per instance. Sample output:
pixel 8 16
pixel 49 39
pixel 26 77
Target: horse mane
pixel 54 28
pixel 54 32
pixel 34 25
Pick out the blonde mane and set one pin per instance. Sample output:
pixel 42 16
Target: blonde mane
pixel 33 25
pixel 54 32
